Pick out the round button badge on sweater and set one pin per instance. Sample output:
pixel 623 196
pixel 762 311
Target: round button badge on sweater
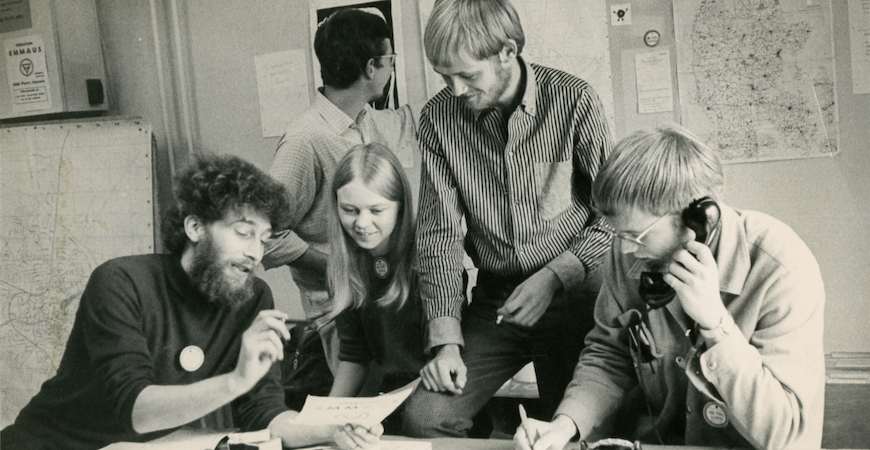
pixel 382 268
pixel 715 415
pixel 191 358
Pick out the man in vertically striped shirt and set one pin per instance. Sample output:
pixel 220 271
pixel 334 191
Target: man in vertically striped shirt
pixel 511 148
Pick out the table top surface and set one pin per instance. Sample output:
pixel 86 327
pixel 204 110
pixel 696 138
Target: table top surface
pixel 504 444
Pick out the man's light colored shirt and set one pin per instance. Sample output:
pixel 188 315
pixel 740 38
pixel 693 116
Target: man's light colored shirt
pixel 305 163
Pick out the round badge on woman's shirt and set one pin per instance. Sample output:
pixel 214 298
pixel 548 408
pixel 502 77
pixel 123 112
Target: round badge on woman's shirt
pixel 382 268
pixel 191 358
pixel 715 415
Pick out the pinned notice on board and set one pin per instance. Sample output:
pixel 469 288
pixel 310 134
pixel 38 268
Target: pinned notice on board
pixel 27 74
pixel 282 83
pixel 653 74
pixel 859 38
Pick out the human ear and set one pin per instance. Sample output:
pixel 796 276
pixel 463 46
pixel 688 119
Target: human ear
pixel 194 228
pixel 370 68
pixel 508 51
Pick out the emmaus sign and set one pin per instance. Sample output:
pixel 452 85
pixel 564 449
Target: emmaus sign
pixel 27 74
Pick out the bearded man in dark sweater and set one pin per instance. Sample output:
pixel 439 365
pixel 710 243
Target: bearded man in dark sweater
pixel 160 341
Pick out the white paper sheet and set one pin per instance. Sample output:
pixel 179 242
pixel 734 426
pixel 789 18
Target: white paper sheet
pixel 365 411
pixel 859 36
pixel 282 82
pixel 653 74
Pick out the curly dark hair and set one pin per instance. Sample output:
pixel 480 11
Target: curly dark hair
pixel 212 185
pixel 345 42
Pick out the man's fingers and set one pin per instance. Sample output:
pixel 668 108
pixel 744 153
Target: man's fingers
pixel 356 440
pixel 277 348
pixel 521 440
pixel 430 379
pixel 277 325
pixel 701 252
pixel 444 375
pixel 461 378
pixel 512 304
pixel 548 441
pixel 265 345
pixel 363 433
pixel 678 271
pixel 688 261
pixel 344 439
pixel 377 430
pixel 425 380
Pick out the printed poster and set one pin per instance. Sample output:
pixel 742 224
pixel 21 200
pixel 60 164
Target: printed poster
pixel 27 74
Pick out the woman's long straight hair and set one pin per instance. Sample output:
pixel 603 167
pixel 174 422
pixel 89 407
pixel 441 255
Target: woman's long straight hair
pixel 380 171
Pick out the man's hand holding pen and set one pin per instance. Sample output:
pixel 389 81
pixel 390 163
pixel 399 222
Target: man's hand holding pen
pixel 533 434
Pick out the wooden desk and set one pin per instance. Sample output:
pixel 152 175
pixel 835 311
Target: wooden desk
pixel 196 438
pixel 503 444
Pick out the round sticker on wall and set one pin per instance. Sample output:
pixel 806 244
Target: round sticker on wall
pixel 651 38
pixel 715 415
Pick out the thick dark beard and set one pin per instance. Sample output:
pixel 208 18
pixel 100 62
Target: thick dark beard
pixel 207 274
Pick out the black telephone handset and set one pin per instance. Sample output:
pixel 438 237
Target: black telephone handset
pixel 702 216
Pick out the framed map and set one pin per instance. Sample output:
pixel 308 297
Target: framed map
pixel 756 77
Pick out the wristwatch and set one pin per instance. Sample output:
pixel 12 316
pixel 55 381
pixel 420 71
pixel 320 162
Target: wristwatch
pixel 725 323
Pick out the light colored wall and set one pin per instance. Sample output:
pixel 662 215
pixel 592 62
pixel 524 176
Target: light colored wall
pixel 207 51
pixel 824 200
pixel 222 39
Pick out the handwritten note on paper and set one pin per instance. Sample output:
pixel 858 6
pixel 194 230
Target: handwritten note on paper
pixel 282 82
pixel 653 74
pixel 365 411
pixel 859 37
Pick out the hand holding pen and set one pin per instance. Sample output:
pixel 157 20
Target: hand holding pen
pixel 531 432
pixel 539 435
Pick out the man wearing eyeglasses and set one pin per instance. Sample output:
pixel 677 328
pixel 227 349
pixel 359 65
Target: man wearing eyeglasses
pixel 735 359
pixel 356 63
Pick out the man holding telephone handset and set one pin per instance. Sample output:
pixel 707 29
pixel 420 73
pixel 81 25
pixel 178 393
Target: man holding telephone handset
pixel 737 359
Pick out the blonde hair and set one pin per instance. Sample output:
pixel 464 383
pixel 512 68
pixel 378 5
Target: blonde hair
pixel 657 170
pixel 482 27
pixel 379 169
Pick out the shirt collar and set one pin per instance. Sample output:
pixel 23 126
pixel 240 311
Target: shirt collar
pixel 334 117
pixel 530 95
pixel 530 91
pixel 732 252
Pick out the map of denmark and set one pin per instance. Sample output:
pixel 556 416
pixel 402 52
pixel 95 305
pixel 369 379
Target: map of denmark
pixel 756 77
pixel 73 196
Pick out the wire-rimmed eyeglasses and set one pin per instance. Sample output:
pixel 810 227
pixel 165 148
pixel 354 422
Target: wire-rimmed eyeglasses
pixel 392 57
pixel 637 240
